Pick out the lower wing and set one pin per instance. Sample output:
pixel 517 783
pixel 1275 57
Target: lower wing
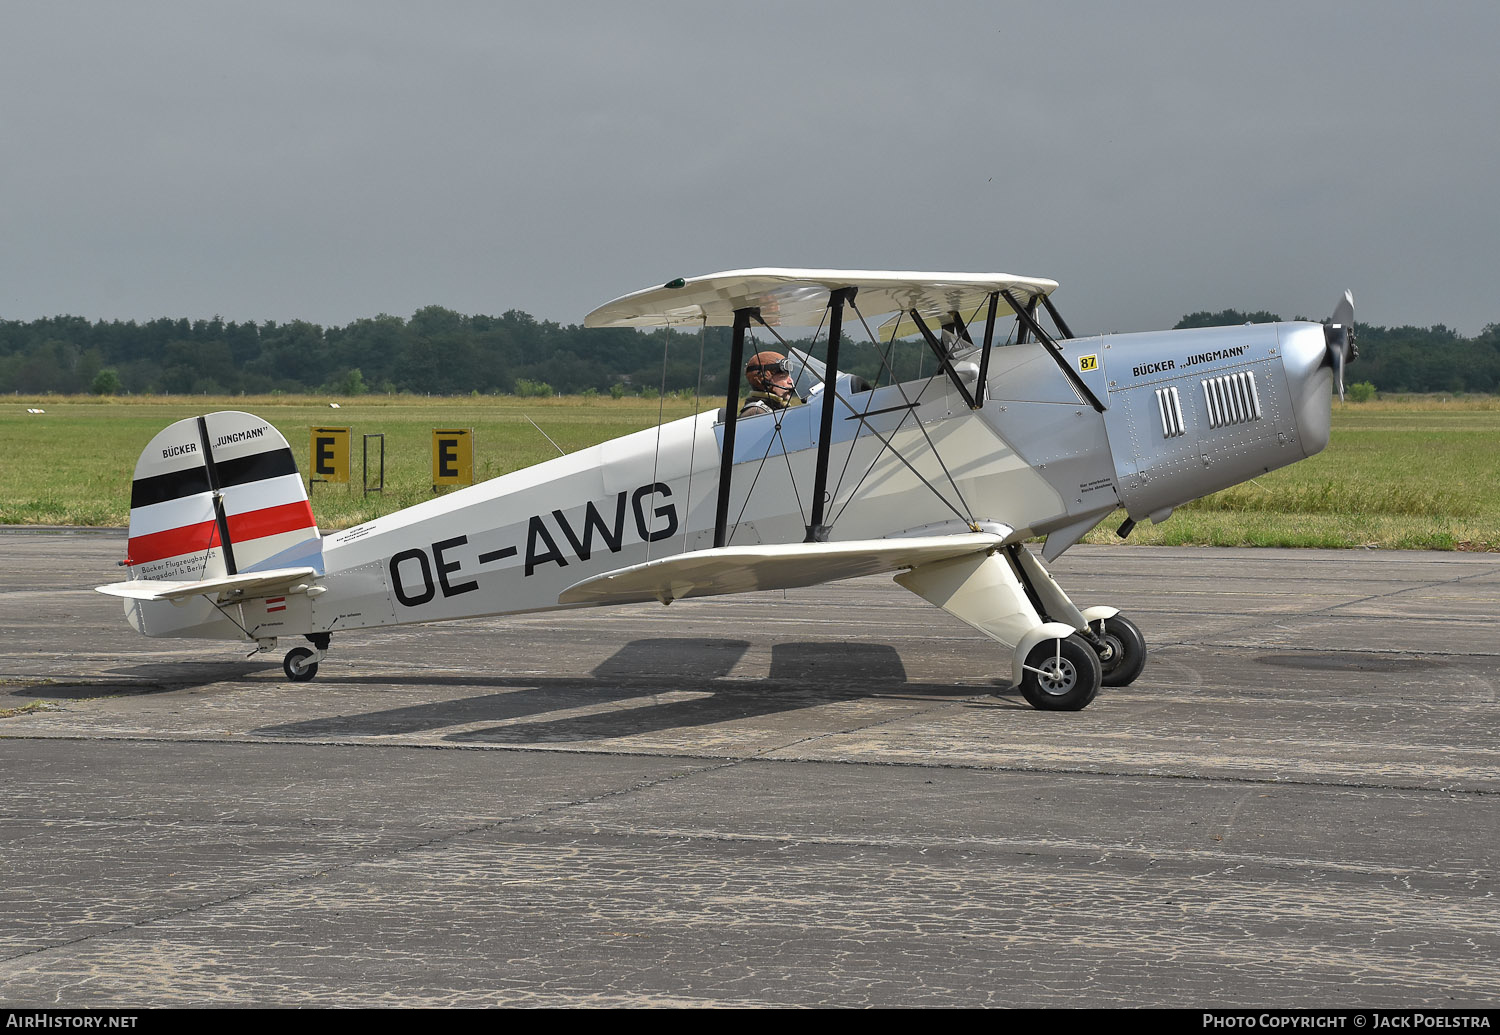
pixel 744 569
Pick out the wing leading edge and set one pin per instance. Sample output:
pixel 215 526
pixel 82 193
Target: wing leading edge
pixel 744 569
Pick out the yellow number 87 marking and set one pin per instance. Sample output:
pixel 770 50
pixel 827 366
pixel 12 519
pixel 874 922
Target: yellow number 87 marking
pixel 1088 362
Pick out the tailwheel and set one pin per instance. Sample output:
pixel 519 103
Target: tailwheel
pixel 300 664
pixel 1061 675
pixel 1124 650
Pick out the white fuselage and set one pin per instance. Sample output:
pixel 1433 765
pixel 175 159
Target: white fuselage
pixel 514 543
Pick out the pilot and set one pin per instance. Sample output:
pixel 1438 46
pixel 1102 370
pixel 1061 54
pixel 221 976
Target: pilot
pixel 770 384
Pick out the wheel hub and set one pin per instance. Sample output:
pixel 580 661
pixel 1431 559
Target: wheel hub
pixel 1057 675
pixel 1110 656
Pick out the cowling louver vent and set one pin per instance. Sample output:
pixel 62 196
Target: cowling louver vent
pixel 1170 406
pixel 1231 399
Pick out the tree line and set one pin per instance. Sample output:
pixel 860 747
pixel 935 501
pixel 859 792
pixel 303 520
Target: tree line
pixel 1402 359
pixel 441 352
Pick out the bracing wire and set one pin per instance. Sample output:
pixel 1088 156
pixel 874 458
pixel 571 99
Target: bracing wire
pixel 932 448
pixel 897 454
pixel 776 436
pixel 779 416
pixel 869 401
pixel 910 405
pixel 910 408
pixel 219 608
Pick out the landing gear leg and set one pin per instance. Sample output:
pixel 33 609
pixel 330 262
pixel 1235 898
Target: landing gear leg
pixel 1054 667
pixel 301 664
pixel 1115 638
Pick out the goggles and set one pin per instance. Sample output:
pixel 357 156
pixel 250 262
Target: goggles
pixel 779 367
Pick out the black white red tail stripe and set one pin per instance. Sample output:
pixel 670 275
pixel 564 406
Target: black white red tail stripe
pixel 174 529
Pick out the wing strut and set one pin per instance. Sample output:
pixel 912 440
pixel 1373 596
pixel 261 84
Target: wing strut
pixel 742 318
pixel 1025 330
pixel 817 532
pixel 863 418
pixel 989 339
pixel 974 399
pixel 1057 319
pixel 1028 321
pixel 942 358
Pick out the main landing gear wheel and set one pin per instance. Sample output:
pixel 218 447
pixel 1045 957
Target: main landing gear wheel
pixel 1124 655
pixel 298 665
pixel 1061 675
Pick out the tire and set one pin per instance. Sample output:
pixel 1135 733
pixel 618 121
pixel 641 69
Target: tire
pixel 297 666
pixel 1129 650
pixel 1061 675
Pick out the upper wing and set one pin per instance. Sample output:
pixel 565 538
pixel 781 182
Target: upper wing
pixel 236 586
pixel 741 569
pixel 799 297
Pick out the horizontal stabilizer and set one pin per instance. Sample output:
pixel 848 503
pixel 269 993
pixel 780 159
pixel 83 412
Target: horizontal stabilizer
pixel 744 569
pixel 250 584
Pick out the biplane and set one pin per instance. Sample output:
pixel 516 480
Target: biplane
pixel 939 480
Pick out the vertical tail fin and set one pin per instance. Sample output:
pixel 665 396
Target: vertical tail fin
pixel 218 495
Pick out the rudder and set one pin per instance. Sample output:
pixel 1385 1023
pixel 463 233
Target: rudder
pixel 200 478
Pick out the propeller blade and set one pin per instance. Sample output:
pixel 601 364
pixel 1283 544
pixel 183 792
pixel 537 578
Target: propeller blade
pixel 1344 312
pixel 1339 333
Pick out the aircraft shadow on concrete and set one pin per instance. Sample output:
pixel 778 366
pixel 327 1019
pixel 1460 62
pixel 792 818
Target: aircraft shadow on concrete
pixel 802 675
pixel 138 680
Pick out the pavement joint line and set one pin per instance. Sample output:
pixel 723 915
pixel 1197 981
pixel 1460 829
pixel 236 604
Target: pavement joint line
pixel 1218 855
pixel 731 762
pixel 1297 648
pixel 1330 609
pixel 1408 589
pixel 1347 563
pixel 365 858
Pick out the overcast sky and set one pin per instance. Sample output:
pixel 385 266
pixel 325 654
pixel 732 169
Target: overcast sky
pixel 327 161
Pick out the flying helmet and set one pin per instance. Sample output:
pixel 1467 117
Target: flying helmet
pixel 767 372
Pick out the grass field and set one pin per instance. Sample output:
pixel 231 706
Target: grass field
pixel 1406 475
pixel 1418 474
